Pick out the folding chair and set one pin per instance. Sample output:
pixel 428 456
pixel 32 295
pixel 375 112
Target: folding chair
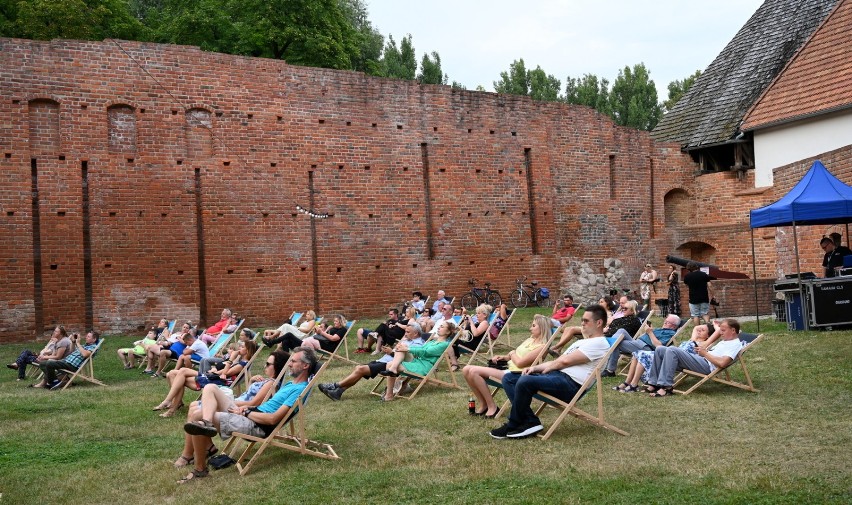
pixel 502 340
pixel 340 344
pixel 749 339
pixel 475 352
pixel 670 343
pixel 220 343
pixel 498 386
pixel 288 434
pixel 570 408
pixel 86 370
pixel 429 378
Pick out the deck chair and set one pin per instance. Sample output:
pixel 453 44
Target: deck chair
pixel 672 342
pixel 288 434
pixel 475 352
pixel 570 408
pixel 502 340
pixel 749 339
pixel 221 342
pixel 430 377
pixel 341 344
pixel 86 371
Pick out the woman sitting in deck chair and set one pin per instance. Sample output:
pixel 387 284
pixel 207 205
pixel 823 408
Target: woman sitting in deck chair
pixel 424 357
pixel 289 335
pixel 525 355
pixel 237 360
pixel 478 331
pixel 326 338
pixel 223 402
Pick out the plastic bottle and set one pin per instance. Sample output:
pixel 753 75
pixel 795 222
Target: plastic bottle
pixel 471 406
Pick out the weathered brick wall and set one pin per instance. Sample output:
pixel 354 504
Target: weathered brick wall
pixel 839 163
pixel 166 183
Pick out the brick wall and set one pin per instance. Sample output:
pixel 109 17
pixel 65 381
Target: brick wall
pixel 167 181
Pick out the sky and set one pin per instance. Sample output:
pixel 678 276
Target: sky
pixel 478 39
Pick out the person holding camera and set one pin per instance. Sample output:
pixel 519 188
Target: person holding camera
pixel 646 285
pixel 700 293
pixel 478 328
pixel 82 349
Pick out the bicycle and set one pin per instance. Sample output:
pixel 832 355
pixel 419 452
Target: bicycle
pixel 478 296
pixel 530 293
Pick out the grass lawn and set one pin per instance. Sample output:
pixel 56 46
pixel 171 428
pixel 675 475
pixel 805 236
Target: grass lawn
pixel 789 443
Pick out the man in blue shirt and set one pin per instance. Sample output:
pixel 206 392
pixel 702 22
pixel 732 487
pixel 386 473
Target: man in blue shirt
pixel 647 342
pixel 71 363
pixel 258 422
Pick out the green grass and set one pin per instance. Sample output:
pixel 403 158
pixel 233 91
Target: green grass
pixel 789 443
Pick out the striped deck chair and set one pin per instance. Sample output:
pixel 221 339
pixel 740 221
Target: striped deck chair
pixel 475 352
pixel 289 434
pixel 341 344
pixel 498 386
pixel 222 342
pixel 749 339
pixel 430 377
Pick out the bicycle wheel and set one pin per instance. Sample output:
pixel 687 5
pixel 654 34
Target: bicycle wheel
pixel 543 302
pixel 494 299
pixel 519 299
pixel 469 301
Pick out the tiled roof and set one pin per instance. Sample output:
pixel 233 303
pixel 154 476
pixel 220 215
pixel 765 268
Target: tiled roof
pixel 817 79
pixel 712 110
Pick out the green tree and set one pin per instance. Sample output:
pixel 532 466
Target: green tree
pixel 203 23
pixel 678 88
pixel 303 32
pixel 543 86
pixel 73 19
pixel 588 90
pixel 430 70
pixel 515 81
pixel 399 62
pixel 633 99
pixel 370 41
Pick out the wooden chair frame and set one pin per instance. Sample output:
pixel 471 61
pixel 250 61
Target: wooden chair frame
pixel 86 370
pixel 288 434
pixel 673 341
pixel 341 343
pixel 750 339
pixel 429 378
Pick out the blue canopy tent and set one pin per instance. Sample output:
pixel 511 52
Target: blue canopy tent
pixel 819 198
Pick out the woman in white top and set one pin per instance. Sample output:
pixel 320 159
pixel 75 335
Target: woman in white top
pixel 525 355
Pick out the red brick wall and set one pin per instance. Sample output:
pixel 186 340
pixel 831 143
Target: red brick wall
pixel 192 199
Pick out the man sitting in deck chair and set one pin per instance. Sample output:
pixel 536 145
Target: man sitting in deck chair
pixel 627 321
pixel 647 342
pixel 561 378
pixel 259 421
pixel 669 360
pixel 334 390
pixel 70 363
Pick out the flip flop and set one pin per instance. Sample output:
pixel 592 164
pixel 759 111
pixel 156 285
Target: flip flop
pixel 195 474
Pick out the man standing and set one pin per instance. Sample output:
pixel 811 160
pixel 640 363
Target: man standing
pixel 647 342
pixel 699 293
pixel 561 378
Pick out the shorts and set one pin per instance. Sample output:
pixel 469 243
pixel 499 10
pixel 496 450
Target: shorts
pixel 237 423
pixel 699 309
pixel 376 367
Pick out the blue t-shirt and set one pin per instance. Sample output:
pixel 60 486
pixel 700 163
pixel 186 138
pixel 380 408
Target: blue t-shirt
pixel 662 334
pixel 287 395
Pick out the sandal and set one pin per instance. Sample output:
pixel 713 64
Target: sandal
pixel 200 428
pixel 212 450
pixel 161 406
pixel 662 392
pixel 621 387
pixel 650 388
pixel 195 474
pixel 388 373
pixel 455 368
pixel 629 389
pixel 183 461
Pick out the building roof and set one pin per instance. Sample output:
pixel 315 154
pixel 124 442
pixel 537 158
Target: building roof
pixel 816 80
pixel 712 110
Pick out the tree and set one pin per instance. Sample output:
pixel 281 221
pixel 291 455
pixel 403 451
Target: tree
pixel 399 62
pixel 543 86
pixel 370 41
pixel 203 23
pixel 679 88
pixel 588 90
pixel 315 33
pixel 430 70
pixel 73 19
pixel 515 81
pixel 633 99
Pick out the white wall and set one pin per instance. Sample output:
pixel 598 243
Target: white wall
pixel 781 145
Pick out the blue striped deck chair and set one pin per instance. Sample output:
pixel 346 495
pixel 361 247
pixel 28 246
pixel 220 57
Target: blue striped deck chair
pixel 431 377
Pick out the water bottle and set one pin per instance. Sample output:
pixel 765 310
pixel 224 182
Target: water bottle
pixel 471 406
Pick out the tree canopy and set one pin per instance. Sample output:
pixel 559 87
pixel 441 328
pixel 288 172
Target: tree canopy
pixel 633 99
pixel 678 88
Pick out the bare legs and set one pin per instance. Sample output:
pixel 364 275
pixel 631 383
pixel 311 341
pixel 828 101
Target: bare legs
pixel 475 377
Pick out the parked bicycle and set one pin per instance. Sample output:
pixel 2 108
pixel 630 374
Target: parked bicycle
pixel 526 294
pixel 478 296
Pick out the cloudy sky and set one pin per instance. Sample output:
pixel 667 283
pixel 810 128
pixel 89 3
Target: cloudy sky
pixel 478 39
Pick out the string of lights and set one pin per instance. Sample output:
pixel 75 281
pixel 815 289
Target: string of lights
pixel 311 213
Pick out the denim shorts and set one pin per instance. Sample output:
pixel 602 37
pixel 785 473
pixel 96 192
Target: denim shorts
pixel 699 309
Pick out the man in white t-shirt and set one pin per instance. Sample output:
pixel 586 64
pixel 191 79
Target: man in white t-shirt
pixel 670 360
pixel 561 378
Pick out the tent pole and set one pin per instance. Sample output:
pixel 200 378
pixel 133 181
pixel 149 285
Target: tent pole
pixel 754 276
pixel 799 277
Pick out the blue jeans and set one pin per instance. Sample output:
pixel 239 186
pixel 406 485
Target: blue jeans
pixel 521 388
